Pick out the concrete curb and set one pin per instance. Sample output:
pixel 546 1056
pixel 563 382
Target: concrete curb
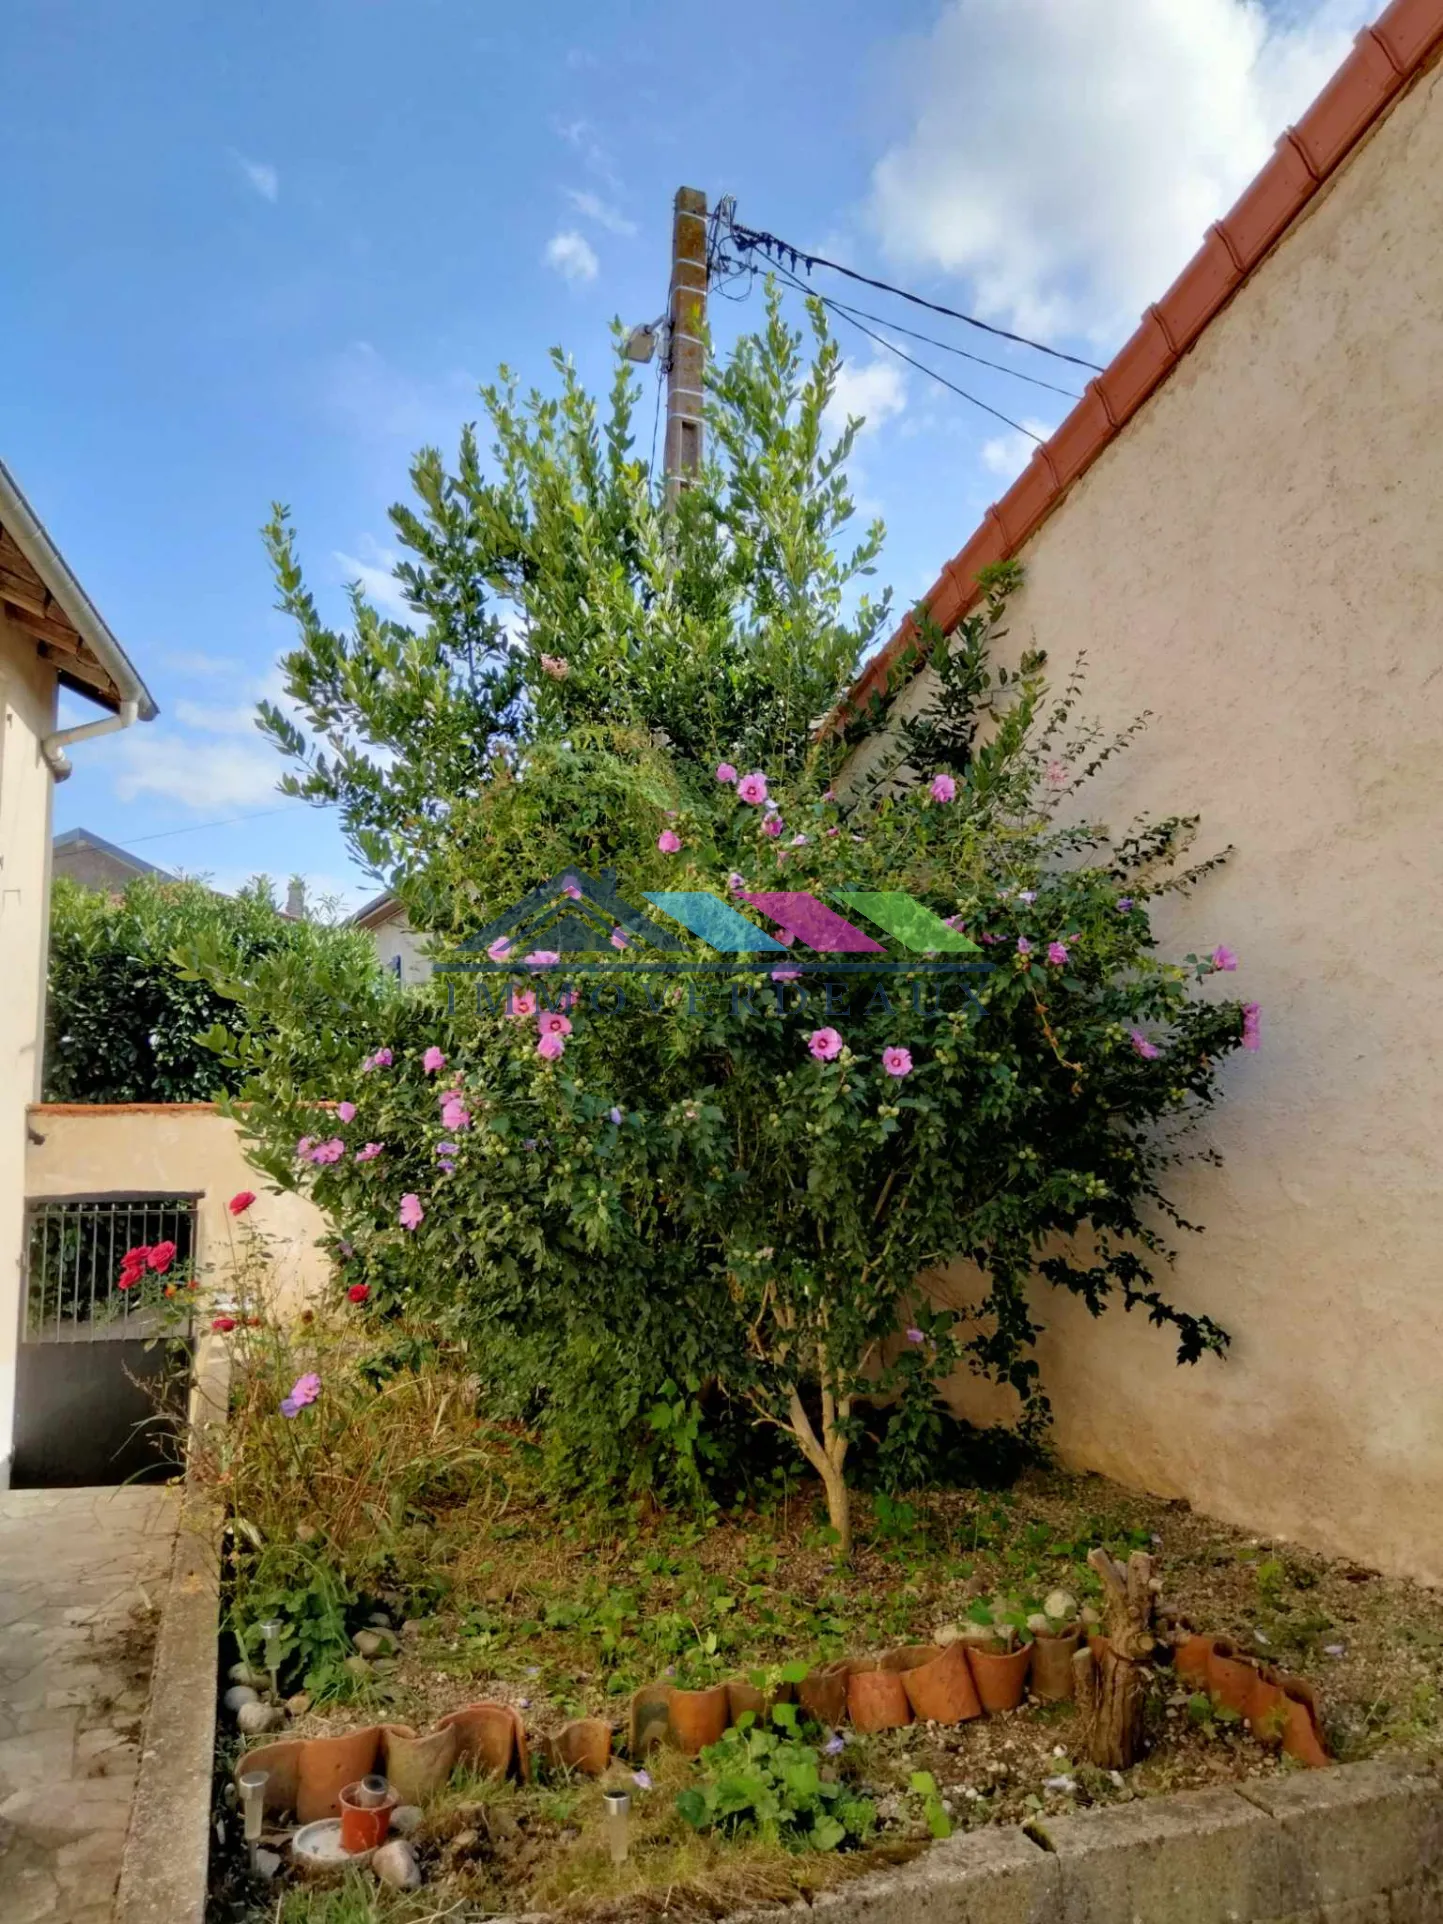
pixel 1357 1844
pixel 163 1872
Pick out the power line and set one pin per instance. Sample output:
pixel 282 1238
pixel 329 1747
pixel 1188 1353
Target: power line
pixel 860 314
pixel 747 238
pixel 921 366
pixel 196 828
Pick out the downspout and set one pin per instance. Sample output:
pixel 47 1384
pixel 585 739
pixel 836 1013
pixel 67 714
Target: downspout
pixel 53 747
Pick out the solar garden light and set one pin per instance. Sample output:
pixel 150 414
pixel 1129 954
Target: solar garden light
pixel 253 1806
pixel 618 1807
pixel 272 1630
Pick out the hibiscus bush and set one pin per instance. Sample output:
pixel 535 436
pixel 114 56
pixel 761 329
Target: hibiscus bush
pixel 718 1195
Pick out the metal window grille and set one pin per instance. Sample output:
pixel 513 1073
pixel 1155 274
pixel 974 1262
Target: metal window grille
pixel 73 1251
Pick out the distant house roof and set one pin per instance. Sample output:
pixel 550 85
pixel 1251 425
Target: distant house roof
pixel 68 850
pixel 1386 58
pixel 380 909
pixel 41 597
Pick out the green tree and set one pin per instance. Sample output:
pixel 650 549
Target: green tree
pixel 561 601
pixel 125 1016
pixel 731 1193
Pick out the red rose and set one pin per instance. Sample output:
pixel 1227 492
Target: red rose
pixel 160 1258
pixel 222 1323
pixel 358 1292
pixel 132 1266
pixel 241 1202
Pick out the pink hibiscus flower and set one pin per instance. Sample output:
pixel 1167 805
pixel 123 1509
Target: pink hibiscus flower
pixel 753 788
pixel 411 1213
pixel 669 842
pixel 897 1062
pixel 943 789
pixel 552 1047
pixel 825 1044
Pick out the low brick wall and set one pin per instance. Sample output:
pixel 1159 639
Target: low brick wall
pixel 1358 1844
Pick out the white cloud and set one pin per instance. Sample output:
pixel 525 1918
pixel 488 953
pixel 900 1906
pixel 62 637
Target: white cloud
pixel 201 775
pixel 593 207
pixel 378 580
pixel 582 136
pixel 877 392
pixel 382 403
pixel 1066 156
pixel 573 256
pixel 262 176
pixel 240 720
pixel 1008 454
pixel 195 661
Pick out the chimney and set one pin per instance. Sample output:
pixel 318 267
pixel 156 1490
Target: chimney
pixel 296 899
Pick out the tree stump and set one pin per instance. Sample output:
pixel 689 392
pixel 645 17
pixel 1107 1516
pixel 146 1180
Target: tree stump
pixel 1112 1683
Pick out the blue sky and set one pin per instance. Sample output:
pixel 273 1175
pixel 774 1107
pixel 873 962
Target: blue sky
pixel 264 252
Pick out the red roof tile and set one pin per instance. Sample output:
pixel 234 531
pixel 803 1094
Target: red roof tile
pixel 1384 59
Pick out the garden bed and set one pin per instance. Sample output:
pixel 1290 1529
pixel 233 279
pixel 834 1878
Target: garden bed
pixel 566 1618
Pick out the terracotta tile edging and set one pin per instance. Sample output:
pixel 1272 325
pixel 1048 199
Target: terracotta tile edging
pixel 1385 59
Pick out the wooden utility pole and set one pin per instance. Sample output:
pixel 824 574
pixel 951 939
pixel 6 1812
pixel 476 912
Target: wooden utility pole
pixel 686 349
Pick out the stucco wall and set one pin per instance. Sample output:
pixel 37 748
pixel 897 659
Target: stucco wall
pixel 27 715
pixel 1257 559
pixel 397 943
pixel 180 1148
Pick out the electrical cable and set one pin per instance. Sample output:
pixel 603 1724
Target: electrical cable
pixel 860 314
pixel 921 366
pixel 196 828
pixel 747 238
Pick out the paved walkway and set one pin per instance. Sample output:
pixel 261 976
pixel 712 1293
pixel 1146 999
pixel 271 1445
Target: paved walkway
pixel 74 1672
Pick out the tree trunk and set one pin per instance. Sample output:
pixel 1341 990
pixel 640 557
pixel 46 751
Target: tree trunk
pixel 839 1509
pixel 826 1455
pixel 1112 1682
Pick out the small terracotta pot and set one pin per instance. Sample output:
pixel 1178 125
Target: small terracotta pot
pixel 282 1766
pixel 1000 1676
pixel 877 1698
pixel 743 1697
pixel 419 1766
pixel 1301 1736
pixel 365 1819
pixel 941 1690
pixel 697 1717
pixel 1190 1657
pixel 650 1720
pixel 822 1693
pixel 327 1765
pixel 910 1656
pixel 584 1745
pixel 1231 1677
pixel 490 1737
pixel 1052 1680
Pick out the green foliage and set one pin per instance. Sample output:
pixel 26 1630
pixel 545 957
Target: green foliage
pixel 924 1785
pixel 769 1783
pixel 719 628
pixel 695 1210
pixel 126 1020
